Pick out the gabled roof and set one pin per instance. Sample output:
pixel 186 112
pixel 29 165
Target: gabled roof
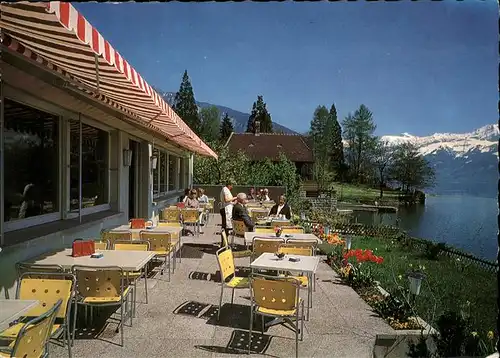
pixel 269 145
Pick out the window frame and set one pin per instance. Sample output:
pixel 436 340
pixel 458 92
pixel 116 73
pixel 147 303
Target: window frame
pixel 97 208
pixel 18 224
pixel 167 155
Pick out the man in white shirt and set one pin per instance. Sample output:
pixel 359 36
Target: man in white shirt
pixel 266 195
pixel 227 200
pixel 281 208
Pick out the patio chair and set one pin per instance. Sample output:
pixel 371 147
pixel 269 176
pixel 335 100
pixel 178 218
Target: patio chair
pixel 171 214
pixel 236 254
pixel 191 217
pixel 304 250
pixel 38 270
pixel 277 297
pixel 101 244
pixel 136 245
pixel 228 276
pixel 239 229
pixel 112 236
pixel 293 230
pixel 264 229
pixel 261 245
pixel 48 292
pixel 102 287
pixel 281 223
pixel 163 245
pixel 33 336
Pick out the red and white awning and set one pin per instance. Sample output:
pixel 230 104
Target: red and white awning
pixel 57 36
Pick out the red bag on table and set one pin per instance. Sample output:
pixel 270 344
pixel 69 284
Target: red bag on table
pixel 137 224
pixel 83 248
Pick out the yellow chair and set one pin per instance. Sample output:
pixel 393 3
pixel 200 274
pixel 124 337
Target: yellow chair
pixel 33 336
pixel 293 230
pixel 101 245
pixel 278 298
pixel 176 238
pixel 264 230
pixel 258 214
pixel 261 245
pixel 239 229
pixel 191 217
pixel 102 287
pixel 171 214
pixel 112 236
pixel 136 245
pixel 38 271
pixel 281 223
pixel 163 245
pixel 237 254
pixel 228 276
pixel 48 291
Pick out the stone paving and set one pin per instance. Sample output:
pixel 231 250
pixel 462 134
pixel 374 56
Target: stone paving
pixel 178 321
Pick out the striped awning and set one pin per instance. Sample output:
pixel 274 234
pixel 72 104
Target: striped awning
pixel 55 35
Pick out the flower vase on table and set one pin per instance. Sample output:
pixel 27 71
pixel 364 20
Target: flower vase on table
pixel 278 231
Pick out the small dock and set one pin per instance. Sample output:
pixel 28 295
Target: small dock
pixel 370 208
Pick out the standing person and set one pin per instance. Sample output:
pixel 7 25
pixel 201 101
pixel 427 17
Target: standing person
pixel 226 212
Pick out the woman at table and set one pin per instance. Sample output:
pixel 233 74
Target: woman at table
pixel 281 208
pixel 191 201
pixel 202 198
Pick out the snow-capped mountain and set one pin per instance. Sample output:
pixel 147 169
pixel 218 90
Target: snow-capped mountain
pixel 465 163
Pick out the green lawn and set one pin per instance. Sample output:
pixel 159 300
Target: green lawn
pixel 352 193
pixel 449 284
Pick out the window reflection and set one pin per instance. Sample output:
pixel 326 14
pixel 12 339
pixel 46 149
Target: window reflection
pixel 156 187
pixel 163 172
pixel 30 162
pixel 172 166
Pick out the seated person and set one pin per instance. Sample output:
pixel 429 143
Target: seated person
pixel 251 194
pixel 191 201
pixel 282 208
pixel 202 198
pixel 240 212
pixel 265 197
pixel 185 196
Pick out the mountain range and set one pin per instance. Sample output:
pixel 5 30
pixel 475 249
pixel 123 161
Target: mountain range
pixel 465 163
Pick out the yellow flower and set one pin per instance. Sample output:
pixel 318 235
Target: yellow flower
pixel 474 334
pixel 490 335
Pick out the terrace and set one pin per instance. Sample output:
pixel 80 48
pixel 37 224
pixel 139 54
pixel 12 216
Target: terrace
pixel 179 319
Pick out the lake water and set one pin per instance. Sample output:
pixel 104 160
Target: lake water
pixel 465 222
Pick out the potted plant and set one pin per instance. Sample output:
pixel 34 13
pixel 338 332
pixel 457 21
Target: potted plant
pixel 278 230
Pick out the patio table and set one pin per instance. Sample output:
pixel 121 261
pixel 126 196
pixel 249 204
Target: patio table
pixel 307 265
pixel 10 310
pixel 127 260
pixel 157 229
pixel 249 236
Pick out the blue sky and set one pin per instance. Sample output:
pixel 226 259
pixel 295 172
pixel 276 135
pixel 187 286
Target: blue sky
pixel 420 67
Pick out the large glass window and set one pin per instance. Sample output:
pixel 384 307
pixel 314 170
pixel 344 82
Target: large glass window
pixel 31 162
pixel 156 174
pixel 172 168
pixel 163 172
pixel 94 169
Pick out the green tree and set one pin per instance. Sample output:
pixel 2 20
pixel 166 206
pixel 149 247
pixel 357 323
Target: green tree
pixel 260 114
pixel 226 128
pixel 382 159
pixel 337 144
pixel 411 169
pixel 321 137
pixel 262 173
pixel 210 123
pixel 185 104
pixel 358 130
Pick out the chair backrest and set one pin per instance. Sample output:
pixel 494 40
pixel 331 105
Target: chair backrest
pixel 282 224
pixel 37 270
pixel 292 249
pixel 171 214
pixel 48 291
pixel 264 229
pixel 158 241
pixel 190 215
pixel 225 260
pixel 239 227
pixel 302 243
pixel 224 238
pixel 258 214
pixel 101 245
pixel 34 335
pixel 98 281
pixel 266 245
pixel 113 236
pixel 136 245
pixel 293 230
pixel 274 293
pixel 169 224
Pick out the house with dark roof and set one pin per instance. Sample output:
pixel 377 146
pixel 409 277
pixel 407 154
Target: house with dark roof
pixel 260 146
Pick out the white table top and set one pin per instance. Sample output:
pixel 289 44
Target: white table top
pixel 269 261
pixel 250 235
pixel 169 229
pixel 10 310
pixel 127 260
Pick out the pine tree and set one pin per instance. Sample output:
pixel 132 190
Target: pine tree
pixel 337 145
pixel 321 139
pixel 185 104
pixel 226 128
pixel 260 113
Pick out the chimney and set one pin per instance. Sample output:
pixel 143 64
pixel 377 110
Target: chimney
pixel 256 127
